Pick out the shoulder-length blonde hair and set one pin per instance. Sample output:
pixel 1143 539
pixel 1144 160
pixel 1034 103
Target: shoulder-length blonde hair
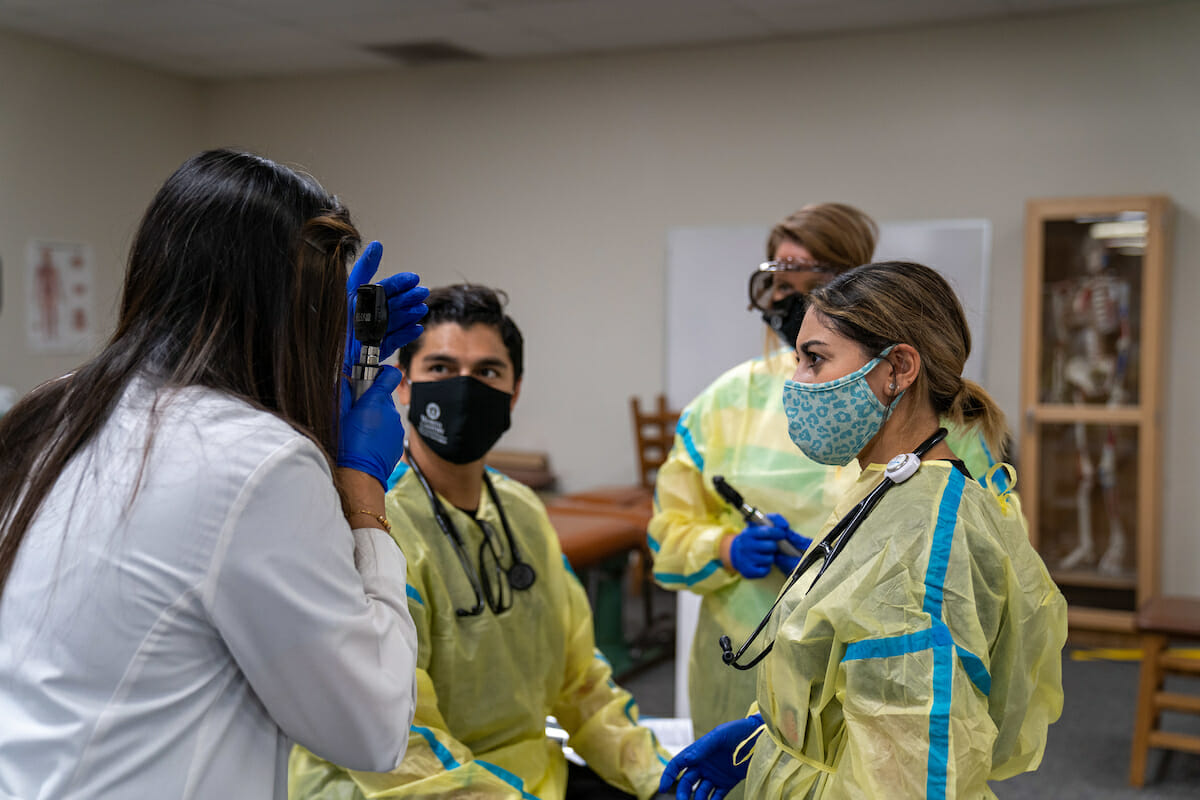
pixel 835 233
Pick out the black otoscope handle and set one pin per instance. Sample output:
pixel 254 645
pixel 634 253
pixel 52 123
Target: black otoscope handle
pixel 749 513
pixel 370 326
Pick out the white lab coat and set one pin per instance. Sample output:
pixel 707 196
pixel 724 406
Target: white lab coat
pixel 176 644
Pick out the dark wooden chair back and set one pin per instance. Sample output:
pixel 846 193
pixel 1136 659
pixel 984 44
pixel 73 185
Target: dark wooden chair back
pixel 654 433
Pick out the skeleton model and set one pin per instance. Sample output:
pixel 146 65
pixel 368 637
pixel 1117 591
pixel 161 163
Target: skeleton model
pixel 1091 354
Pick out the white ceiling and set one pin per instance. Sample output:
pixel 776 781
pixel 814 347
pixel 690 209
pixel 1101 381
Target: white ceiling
pixel 242 38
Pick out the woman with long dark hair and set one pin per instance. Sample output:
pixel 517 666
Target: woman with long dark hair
pixel 181 591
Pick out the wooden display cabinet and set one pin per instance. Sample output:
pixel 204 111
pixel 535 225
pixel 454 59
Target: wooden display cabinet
pixel 1091 399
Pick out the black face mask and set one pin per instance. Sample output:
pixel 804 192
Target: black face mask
pixel 785 317
pixel 459 418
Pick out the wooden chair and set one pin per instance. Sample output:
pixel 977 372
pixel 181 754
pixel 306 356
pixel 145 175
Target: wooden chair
pixel 597 515
pixel 653 435
pixel 1159 621
pixel 654 431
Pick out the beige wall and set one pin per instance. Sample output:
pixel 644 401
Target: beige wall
pixel 559 179
pixel 84 142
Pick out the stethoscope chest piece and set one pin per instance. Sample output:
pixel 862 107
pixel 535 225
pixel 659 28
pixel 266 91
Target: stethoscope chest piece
pixel 902 467
pixel 521 576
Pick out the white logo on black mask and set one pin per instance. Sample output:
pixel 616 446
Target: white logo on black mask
pixel 462 417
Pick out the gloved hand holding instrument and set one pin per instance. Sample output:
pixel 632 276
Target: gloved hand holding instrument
pixel 715 763
pixel 405 306
pixel 382 318
pixel 371 438
pixel 765 541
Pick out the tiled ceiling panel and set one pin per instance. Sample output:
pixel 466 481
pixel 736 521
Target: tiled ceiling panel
pixel 235 38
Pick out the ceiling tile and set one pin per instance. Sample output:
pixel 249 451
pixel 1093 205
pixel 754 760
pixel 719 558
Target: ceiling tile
pixel 1033 6
pixel 304 11
pixel 473 29
pixel 497 4
pixel 621 24
pixel 273 62
pixel 283 36
pixel 816 16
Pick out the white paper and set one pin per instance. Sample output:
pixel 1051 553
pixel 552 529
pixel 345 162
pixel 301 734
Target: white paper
pixel 674 733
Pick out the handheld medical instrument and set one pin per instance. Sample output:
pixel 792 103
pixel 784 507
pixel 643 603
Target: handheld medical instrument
pixel 749 513
pixel 370 326
pixel 898 470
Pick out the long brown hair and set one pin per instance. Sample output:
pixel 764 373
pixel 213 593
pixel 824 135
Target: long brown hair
pixel 235 281
pixel 891 302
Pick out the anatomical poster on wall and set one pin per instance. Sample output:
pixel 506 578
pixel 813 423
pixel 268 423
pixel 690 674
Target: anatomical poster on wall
pixel 59 291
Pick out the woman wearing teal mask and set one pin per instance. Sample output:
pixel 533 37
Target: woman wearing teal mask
pixel 832 421
pixel 925 660
pixel 737 428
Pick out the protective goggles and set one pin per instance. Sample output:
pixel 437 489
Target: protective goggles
pixel 766 279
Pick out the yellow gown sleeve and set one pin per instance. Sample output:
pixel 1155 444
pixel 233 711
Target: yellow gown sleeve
pixel 435 764
pixel 688 523
pixel 1028 697
pixel 599 715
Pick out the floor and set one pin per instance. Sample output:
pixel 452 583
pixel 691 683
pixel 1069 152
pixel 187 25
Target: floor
pixel 1087 755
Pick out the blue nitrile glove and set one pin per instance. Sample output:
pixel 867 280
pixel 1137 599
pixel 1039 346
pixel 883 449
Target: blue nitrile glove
pixel 787 563
pixel 372 435
pixel 706 768
pixel 406 305
pixel 753 550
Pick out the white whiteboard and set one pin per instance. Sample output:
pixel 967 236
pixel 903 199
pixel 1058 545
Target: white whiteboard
pixel 708 329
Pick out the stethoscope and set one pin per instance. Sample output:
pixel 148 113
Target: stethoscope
pixel 898 470
pixel 520 575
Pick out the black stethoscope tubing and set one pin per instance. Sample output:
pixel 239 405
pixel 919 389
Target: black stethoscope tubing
pixel 521 574
pixel 828 548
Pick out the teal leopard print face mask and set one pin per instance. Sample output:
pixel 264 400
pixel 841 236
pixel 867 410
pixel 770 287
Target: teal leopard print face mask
pixel 832 422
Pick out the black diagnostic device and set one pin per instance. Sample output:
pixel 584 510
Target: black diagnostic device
pixel 370 326
pixel 749 513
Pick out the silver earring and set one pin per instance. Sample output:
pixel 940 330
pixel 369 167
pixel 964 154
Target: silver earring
pixel 892 388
